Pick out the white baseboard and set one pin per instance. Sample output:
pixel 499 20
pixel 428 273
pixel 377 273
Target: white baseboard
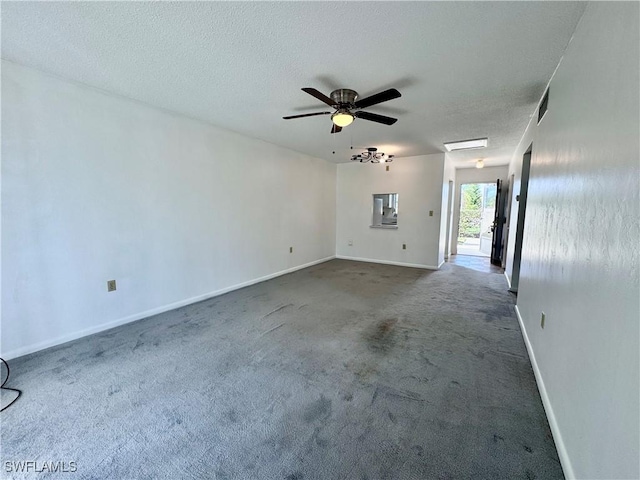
pixel 387 262
pixel 18 352
pixel 508 279
pixel 565 461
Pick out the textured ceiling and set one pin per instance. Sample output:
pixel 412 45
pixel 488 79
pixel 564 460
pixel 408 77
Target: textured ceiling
pixel 465 69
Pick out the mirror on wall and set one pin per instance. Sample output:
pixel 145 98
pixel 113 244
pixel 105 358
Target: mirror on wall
pixel 385 210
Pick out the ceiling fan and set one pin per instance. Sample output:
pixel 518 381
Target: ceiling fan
pixel 347 106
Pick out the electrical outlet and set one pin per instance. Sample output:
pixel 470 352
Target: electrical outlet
pixel 111 285
pixel 404 246
pixel 290 249
pixel 431 213
pixel 351 243
pixel 542 317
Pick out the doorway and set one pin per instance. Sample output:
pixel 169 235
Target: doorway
pixel 477 213
pixel 507 224
pixel 522 207
pixel 447 243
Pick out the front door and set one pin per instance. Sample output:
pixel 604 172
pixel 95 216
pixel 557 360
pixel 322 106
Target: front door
pixel 497 227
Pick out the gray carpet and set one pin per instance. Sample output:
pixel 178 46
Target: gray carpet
pixel 344 370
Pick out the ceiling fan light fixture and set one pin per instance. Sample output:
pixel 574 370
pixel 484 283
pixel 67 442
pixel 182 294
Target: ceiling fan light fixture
pixel 372 155
pixel 342 118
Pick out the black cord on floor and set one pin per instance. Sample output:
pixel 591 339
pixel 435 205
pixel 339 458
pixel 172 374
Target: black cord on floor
pixel 2 387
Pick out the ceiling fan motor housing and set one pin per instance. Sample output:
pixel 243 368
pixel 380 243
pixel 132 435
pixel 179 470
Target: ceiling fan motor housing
pixel 344 96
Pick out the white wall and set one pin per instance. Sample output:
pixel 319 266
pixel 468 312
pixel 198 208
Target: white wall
pixel 472 175
pixel 418 182
pixel 96 187
pixel 580 259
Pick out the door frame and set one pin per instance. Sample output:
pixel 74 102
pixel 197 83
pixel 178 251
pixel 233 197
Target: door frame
pixel 521 198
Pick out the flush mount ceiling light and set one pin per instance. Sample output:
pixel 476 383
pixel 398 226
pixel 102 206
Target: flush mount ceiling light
pixel 372 155
pixel 466 144
pixel 480 163
pixel 342 118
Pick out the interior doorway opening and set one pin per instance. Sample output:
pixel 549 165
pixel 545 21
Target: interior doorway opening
pixel 522 208
pixel 477 213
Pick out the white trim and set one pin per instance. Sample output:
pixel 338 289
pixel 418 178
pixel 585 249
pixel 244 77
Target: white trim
pixel 18 352
pixel 388 262
pixel 440 266
pixel 508 279
pixel 565 461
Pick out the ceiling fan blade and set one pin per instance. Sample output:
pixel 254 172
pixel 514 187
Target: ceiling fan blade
pixel 319 95
pixel 307 115
pixel 378 98
pixel 335 128
pixel 374 117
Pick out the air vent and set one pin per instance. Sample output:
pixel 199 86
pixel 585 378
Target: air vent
pixel 543 106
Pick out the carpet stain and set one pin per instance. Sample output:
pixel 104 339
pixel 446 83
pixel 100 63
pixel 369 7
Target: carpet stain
pixel 363 371
pixel 427 361
pixel 392 417
pixel 418 379
pixel 374 396
pixel 395 394
pixel 294 476
pixel 418 450
pixel 222 475
pixel 382 337
pixel 320 409
pixel 316 440
pixel 232 415
pixel 479 354
pixel 114 389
